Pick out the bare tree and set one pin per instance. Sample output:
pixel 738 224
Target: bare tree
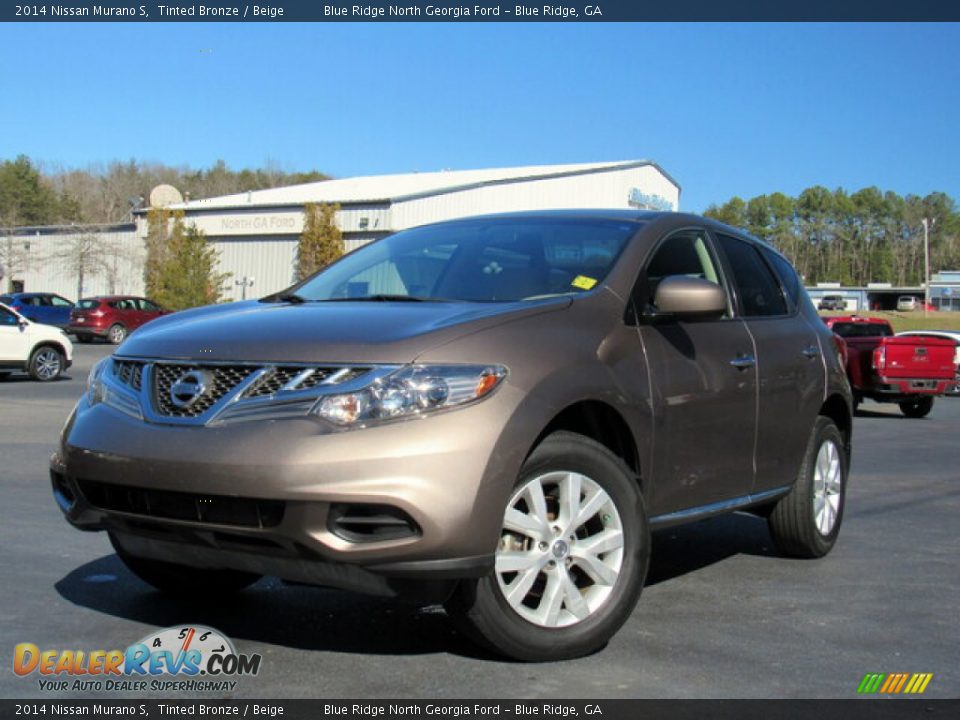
pixel 86 253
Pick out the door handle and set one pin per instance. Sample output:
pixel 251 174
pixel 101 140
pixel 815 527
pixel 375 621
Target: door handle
pixel 743 362
pixel 811 351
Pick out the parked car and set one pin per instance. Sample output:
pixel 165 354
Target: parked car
pixel 44 308
pixel 949 335
pixel 909 371
pixel 907 303
pixel 491 412
pixel 43 351
pixel 111 317
pixel 832 302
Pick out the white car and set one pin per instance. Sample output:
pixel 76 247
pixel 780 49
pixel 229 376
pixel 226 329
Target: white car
pixel 906 303
pixel 43 351
pixel 950 335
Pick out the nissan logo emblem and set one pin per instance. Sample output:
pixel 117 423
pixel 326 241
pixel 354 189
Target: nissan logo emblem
pixel 188 388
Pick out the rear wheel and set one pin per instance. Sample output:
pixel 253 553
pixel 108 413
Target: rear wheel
pixel 917 408
pixel 806 522
pixel 173 578
pixel 571 557
pixel 116 334
pixel 46 364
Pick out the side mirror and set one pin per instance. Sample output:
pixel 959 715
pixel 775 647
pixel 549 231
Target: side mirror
pixel 22 324
pixel 688 297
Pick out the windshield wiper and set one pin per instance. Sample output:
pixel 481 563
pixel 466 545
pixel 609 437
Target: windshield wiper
pixel 292 298
pixel 383 297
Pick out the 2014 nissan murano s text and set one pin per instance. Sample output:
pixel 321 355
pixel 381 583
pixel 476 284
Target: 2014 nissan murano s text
pixel 492 412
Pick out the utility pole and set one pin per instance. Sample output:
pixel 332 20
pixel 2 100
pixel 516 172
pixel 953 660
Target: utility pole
pixel 926 262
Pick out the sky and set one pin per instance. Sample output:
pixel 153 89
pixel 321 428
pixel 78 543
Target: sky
pixel 726 109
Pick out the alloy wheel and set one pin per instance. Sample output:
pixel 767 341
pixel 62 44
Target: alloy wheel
pixel 47 364
pixel 561 549
pixel 827 487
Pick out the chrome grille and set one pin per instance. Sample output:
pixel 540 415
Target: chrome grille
pixel 225 379
pixel 280 377
pixel 129 372
pixel 273 381
pixel 334 376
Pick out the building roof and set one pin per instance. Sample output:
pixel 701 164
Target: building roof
pixel 386 188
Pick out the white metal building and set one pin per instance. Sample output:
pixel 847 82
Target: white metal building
pixel 256 233
pixel 46 259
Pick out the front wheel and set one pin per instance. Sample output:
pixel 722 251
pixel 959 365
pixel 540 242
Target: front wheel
pixel 805 523
pixel 46 364
pixel 183 579
pixel 571 558
pixel 917 408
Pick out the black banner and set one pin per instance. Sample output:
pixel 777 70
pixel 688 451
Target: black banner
pixel 889 709
pixel 480 11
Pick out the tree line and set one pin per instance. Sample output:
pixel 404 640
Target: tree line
pixel 853 238
pixel 35 195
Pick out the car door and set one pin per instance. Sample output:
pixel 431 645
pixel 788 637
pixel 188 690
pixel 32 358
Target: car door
pixel 13 338
pixel 703 385
pixel 790 370
pixel 148 310
pixel 59 311
pixel 127 313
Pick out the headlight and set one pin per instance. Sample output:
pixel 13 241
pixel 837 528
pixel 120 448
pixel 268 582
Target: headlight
pixel 96 392
pixel 411 391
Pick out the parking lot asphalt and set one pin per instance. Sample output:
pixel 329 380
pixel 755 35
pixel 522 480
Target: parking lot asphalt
pixel 722 615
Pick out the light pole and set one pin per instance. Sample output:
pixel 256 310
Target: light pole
pixel 926 262
pixel 244 284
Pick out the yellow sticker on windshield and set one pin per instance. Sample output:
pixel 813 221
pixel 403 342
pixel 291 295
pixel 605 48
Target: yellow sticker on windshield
pixel 583 282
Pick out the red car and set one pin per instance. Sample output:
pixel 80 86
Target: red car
pixel 111 317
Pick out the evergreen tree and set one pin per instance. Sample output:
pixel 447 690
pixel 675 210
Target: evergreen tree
pixel 321 241
pixel 187 274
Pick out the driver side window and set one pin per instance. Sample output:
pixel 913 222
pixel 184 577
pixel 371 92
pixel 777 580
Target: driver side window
pixel 686 253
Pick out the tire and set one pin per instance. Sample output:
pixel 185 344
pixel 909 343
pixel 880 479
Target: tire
pixel 116 334
pixel 857 400
pixel 4 375
pixel 806 522
pixel 184 580
pixel 46 363
pixel 531 627
pixel 917 408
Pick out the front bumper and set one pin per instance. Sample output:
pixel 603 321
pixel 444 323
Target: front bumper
pixel 264 496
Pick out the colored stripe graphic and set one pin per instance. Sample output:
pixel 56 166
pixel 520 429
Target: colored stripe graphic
pixel 871 683
pixel 894 683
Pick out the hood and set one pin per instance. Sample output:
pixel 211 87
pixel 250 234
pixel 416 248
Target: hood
pixel 324 332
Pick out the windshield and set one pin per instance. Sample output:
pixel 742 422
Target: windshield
pixel 485 260
pixel 89 304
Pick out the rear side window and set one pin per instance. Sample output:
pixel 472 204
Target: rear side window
pixel 758 289
pixel 788 276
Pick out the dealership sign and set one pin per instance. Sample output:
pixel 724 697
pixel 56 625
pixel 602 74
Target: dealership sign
pixel 648 201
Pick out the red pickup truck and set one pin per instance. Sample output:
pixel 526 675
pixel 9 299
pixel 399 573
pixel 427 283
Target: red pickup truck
pixel 910 371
